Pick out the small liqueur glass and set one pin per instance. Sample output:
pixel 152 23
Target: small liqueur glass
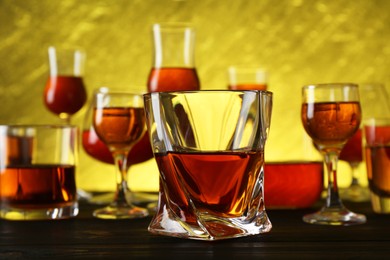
pixel 331 115
pixel 119 121
pixel 247 78
pixel 99 151
pixel 65 92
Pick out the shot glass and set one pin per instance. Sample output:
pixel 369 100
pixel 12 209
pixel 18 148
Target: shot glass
pixel 376 142
pixel 209 148
pixel 37 172
pixel 247 78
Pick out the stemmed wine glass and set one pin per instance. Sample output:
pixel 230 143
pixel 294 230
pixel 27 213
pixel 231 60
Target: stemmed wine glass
pixel 331 114
pixel 98 150
pixel 65 92
pixel 119 121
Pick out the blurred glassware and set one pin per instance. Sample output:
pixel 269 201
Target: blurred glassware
pixel 374 103
pixel 38 172
pixel 293 184
pixel 376 144
pixel 247 78
pixel 119 121
pixel 98 150
pixel 352 154
pixel 65 92
pixel 174 65
pixel 374 100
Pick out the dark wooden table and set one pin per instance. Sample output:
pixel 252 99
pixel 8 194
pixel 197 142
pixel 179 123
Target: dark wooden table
pixel 291 238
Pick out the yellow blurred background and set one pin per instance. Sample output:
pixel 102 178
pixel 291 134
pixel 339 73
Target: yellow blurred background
pixel 298 41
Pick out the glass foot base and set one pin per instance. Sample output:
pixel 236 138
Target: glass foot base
pixel 380 205
pixel 335 216
pixel 207 227
pixel 101 198
pixel 138 198
pixel 355 193
pixel 152 207
pixel 112 212
pixel 36 213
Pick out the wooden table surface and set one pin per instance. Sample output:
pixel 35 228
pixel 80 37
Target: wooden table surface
pixel 290 238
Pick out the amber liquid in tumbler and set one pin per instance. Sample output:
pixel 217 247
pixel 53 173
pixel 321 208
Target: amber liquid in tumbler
pixel 35 186
pixel 65 94
pixel 218 182
pixel 19 150
pixel 331 123
pixel 173 79
pixel 119 127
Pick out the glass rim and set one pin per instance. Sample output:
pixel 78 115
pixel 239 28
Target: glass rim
pixel 263 92
pixel 107 90
pixel 376 121
pixel 66 47
pixel 294 162
pixel 172 26
pixel 247 68
pixel 38 126
pixel 119 92
pixel 324 85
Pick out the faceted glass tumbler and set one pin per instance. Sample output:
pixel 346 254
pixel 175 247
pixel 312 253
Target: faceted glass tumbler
pixel 209 148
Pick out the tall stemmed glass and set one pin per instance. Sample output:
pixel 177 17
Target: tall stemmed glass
pixel 353 155
pixel 374 101
pixel 331 114
pixel 173 66
pixel 95 148
pixel 65 92
pixel 119 121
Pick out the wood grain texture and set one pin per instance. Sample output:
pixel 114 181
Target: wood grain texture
pixel 290 238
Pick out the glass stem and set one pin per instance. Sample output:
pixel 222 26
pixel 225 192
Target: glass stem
pixel 121 178
pixel 65 118
pixel 355 177
pixel 333 198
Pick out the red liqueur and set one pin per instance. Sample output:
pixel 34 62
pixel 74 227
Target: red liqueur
pixel 295 184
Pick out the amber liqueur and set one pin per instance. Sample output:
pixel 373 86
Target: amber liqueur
pixel 119 127
pixel 330 123
pixel 173 79
pixel 65 94
pixel 35 186
pixel 378 169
